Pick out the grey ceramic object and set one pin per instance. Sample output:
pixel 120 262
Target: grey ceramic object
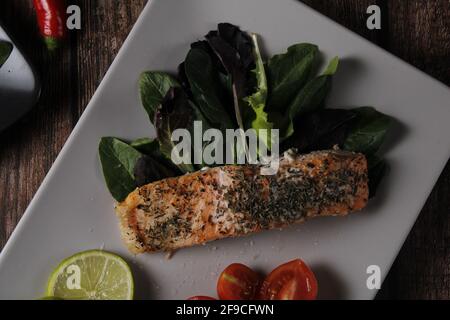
pixel 19 86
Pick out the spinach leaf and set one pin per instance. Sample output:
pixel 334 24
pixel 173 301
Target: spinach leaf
pixel 182 78
pixel 313 94
pixel 153 87
pixel 177 112
pixel 146 145
pixel 287 73
pixel 259 118
pixel 227 87
pixel 234 49
pixel 204 82
pixel 149 168
pixel 118 160
pixel 224 80
pixel 150 147
pixel 368 131
pixel 204 46
pixel 359 130
pixel 5 51
pixel 125 168
pixel 320 130
pixel 242 43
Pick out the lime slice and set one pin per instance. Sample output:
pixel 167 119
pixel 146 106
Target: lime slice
pixel 92 275
pixel 50 298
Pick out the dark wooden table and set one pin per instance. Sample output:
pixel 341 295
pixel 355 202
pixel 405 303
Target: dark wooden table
pixel 417 31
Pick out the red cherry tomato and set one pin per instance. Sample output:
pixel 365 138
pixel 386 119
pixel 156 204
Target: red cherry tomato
pixel 290 281
pixel 201 298
pixel 238 282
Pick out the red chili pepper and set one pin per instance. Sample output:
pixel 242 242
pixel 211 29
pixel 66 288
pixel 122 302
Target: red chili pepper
pixel 51 16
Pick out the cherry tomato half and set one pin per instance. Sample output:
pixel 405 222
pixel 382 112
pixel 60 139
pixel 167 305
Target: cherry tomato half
pixel 201 298
pixel 238 282
pixel 290 281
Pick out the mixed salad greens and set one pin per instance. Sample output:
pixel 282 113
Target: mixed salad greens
pixel 5 51
pixel 227 84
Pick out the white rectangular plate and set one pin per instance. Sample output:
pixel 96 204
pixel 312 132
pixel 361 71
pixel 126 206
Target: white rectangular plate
pixel 73 211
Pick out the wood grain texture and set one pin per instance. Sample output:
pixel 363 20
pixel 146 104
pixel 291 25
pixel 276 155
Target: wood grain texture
pixel 417 31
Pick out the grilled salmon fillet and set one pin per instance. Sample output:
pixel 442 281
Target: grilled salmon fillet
pixel 232 201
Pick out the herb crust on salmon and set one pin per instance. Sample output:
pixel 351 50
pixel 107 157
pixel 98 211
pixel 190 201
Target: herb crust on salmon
pixel 231 201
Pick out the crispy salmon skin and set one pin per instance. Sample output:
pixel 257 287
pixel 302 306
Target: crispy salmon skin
pixel 232 201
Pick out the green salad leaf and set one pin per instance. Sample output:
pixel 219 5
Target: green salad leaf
pixel 235 51
pixel 5 51
pixel 118 160
pixel 177 112
pixel 225 83
pixel 153 87
pixel 368 131
pixel 259 117
pixel 146 145
pixel 287 73
pixel 125 168
pixel 359 130
pixel 314 93
pixel 332 67
pixel 204 82
pixel 151 147
pixel 320 130
pixel 153 167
